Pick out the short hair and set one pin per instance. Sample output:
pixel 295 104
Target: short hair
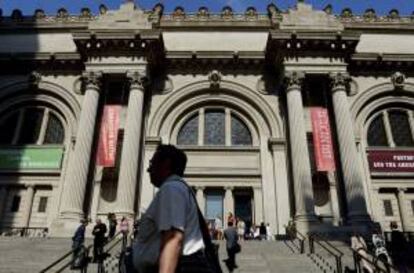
pixel 230 224
pixel 177 157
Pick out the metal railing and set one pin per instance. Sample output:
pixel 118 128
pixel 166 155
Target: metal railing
pixel 328 247
pixel 61 263
pixel 373 263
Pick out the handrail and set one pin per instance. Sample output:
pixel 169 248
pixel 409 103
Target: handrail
pixel 374 265
pixel 70 253
pixel 337 256
pixel 317 235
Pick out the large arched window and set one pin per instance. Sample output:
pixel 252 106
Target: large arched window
pixel 214 127
pixel 31 126
pixel 391 127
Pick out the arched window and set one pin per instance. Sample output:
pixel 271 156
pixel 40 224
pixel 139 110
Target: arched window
pixel 31 126
pixel 392 127
pixel 215 127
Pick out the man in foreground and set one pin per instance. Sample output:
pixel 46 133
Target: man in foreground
pixel 170 229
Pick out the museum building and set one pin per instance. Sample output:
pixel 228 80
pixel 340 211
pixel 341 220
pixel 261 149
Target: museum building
pixel 295 115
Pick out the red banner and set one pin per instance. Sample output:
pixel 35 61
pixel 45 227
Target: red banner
pixel 108 136
pixel 322 139
pixel 391 161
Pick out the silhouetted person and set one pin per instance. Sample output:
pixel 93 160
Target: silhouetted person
pixel 98 231
pixel 263 231
pixel 398 248
pixel 77 241
pixel 112 225
pixel 230 234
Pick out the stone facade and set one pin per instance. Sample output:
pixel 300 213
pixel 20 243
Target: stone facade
pixel 235 91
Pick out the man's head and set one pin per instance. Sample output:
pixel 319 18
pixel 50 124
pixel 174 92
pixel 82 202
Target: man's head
pixel 98 221
pixel 167 160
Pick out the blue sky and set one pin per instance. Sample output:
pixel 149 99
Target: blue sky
pixel 358 6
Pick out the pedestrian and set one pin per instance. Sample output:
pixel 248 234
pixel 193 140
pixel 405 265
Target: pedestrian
pixel 381 252
pixel 263 231
pixel 398 248
pixel 77 244
pixel 218 227
pixel 232 247
pixel 230 218
pixel 98 232
pixel 269 232
pixel 241 226
pixel 112 225
pixel 358 244
pixel 173 236
pixel 124 227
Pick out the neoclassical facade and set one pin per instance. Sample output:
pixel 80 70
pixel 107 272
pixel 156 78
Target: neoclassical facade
pixel 298 115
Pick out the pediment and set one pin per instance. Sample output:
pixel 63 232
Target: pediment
pixel 303 17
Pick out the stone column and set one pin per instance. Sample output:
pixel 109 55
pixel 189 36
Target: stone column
pixel 350 163
pixel 201 199
pixel 402 204
pixel 228 204
pixel 77 176
pixel 3 198
pixel 258 205
pixel 281 191
pixel 333 193
pixel 301 168
pixel 28 205
pixel 131 149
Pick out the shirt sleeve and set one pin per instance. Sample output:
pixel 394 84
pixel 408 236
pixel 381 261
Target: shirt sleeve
pixel 172 208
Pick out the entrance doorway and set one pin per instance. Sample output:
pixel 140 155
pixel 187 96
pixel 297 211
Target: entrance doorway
pixel 243 206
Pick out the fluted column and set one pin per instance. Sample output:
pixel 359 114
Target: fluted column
pixel 228 203
pixel 28 205
pixel 301 168
pixel 77 176
pixel 258 205
pixel 402 204
pixel 3 197
pixel 200 198
pixel 131 149
pixel 350 163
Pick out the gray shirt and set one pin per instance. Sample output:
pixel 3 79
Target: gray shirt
pixel 230 234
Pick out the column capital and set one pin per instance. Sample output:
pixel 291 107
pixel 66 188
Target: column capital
pixel 294 79
pixel 200 188
pixel 29 186
pixel 339 81
pixel 137 79
pixel 228 188
pixel 91 80
pixel 401 190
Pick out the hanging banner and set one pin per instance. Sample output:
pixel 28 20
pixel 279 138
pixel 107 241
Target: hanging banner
pixel 394 161
pixel 108 136
pixel 322 139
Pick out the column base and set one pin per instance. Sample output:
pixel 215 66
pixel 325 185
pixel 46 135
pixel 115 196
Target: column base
pixel 66 224
pixel 358 218
pixel 306 223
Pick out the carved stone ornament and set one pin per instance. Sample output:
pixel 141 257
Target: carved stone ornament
pixel 251 13
pixel 179 13
pixel 34 79
pixel 17 15
pixel 273 12
pixel 394 14
pixel 215 79
pixel 62 13
pixel 294 78
pixel 398 80
pixel 328 9
pixel 85 13
pixel 227 12
pixel 203 12
pixel 91 79
pixel 103 9
pixel 346 13
pixel 370 14
pixel 340 80
pixel 137 79
pixel 39 14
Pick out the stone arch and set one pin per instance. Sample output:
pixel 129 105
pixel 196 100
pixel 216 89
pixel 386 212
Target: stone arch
pixel 375 98
pixel 47 93
pixel 239 97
